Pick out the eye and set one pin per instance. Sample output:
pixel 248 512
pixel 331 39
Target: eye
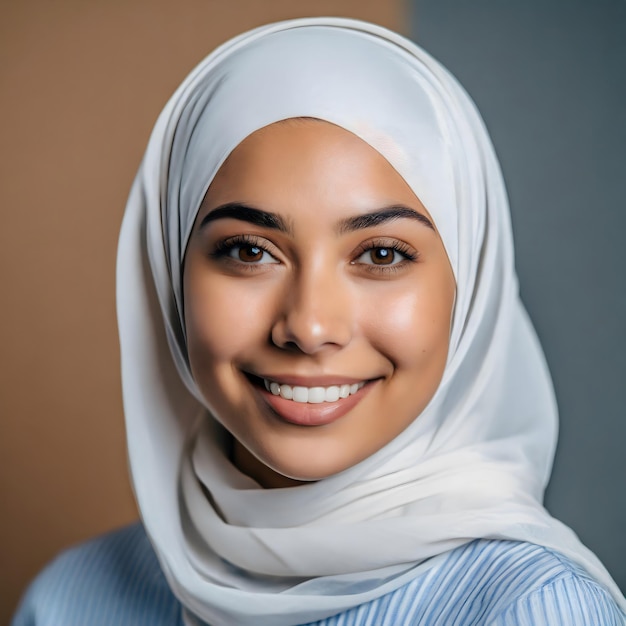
pixel 380 256
pixel 244 249
pixel 247 253
pixel 384 254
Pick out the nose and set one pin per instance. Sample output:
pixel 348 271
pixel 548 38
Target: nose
pixel 315 314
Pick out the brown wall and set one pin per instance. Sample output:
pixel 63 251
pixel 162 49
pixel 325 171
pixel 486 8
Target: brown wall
pixel 81 84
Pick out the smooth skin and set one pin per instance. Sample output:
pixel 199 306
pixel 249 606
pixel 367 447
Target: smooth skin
pixel 287 279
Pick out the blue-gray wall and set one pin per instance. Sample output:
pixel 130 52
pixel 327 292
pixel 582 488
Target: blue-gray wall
pixel 549 77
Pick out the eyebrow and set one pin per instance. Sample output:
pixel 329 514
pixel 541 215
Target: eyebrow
pixel 266 219
pixel 245 213
pixel 382 216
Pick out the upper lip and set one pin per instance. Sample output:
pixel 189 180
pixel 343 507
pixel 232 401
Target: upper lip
pixel 311 381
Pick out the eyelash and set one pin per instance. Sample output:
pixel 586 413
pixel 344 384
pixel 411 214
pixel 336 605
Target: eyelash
pixel 410 255
pixel 223 250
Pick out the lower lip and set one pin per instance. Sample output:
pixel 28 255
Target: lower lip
pixel 305 414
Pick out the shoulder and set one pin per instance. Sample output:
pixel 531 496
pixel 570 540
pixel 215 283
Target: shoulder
pixel 115 578
pixel 510 583
pixel 516 583
pixel 493 583
pixel 547 588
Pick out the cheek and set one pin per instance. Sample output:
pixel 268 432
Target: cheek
pixel 223 318
pixel 411 326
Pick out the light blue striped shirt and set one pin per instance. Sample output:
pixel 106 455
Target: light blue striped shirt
pixel 116 580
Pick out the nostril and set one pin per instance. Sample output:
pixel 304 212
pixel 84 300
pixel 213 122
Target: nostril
pixel 292 345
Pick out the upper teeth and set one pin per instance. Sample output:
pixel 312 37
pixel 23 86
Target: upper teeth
pixel 312 395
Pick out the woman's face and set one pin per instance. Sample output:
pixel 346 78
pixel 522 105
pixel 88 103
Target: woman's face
pixel 314 270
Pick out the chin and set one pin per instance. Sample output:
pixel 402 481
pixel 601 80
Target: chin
pixel 301 466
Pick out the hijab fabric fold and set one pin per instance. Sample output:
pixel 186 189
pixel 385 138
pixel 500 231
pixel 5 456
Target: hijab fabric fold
pixel 474 464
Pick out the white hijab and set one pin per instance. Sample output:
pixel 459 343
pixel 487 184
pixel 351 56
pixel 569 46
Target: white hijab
pixel 476 461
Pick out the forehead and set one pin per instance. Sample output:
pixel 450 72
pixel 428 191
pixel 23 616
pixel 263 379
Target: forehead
pixel 296 162
pixel 308 139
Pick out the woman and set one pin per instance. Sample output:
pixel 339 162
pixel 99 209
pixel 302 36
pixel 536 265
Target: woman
pixel 337 410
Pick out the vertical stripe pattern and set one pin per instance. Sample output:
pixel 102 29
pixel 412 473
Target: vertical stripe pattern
pixel 116 580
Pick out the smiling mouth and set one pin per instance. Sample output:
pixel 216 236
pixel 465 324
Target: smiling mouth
pixel 311 395
pixel 309 406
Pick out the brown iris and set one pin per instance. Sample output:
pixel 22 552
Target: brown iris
pixel 382 256
pixel 250 254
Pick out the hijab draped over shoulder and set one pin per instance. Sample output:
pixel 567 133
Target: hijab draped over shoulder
pixel 476 461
